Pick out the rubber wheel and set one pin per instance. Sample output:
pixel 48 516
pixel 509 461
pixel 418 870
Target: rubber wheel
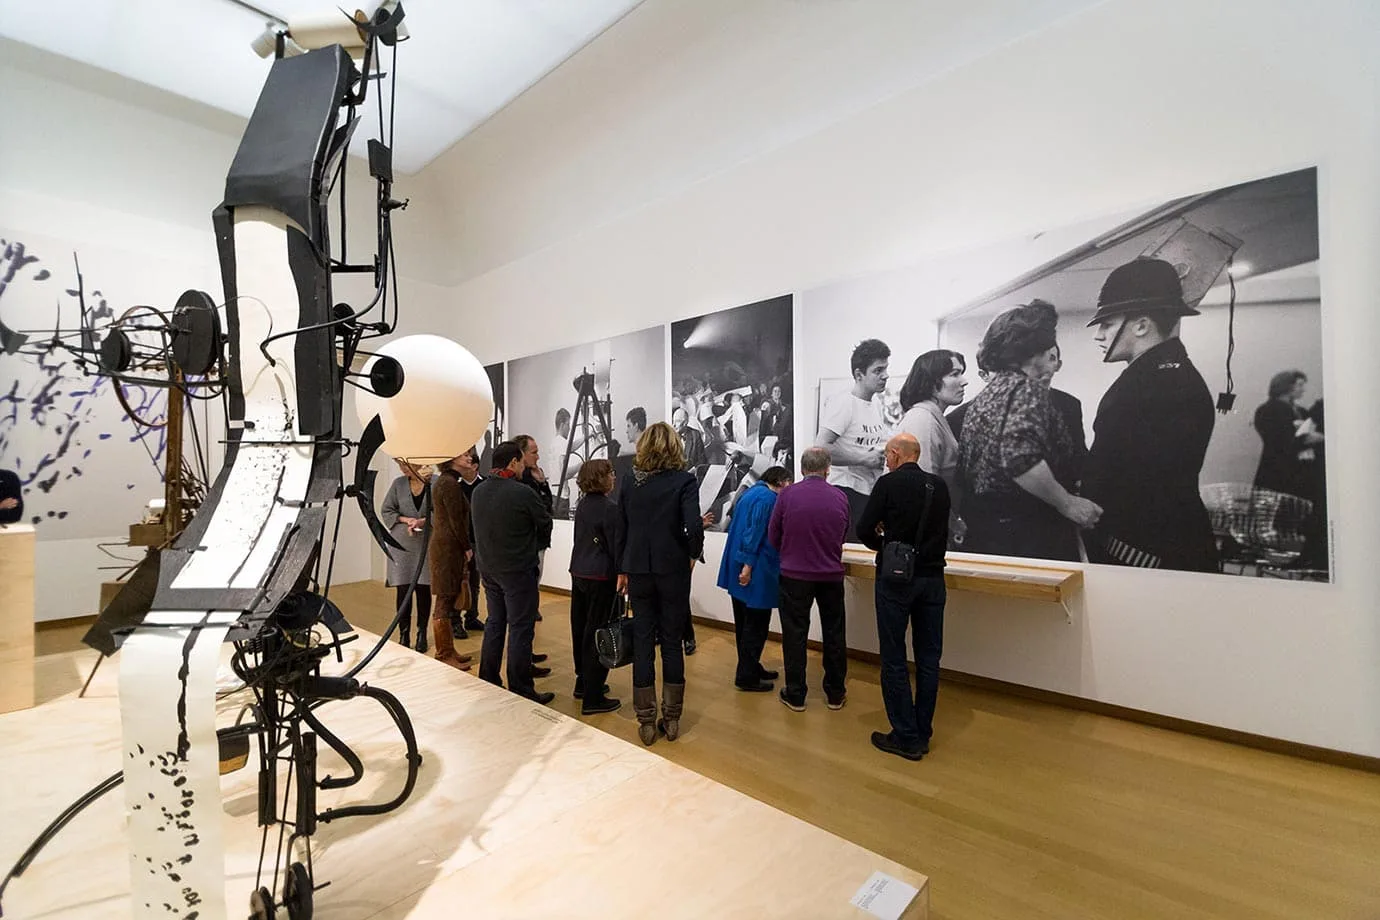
pixel 261 905
pixel 297 892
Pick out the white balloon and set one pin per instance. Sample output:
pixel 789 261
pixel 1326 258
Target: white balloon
pixel 445 403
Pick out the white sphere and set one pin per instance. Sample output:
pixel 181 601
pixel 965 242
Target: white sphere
pixel 445 403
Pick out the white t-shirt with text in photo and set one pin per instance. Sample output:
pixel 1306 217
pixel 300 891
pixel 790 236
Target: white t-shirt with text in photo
pixel 858 423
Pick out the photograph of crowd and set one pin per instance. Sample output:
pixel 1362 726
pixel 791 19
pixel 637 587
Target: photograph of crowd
pixel 588 401
pixel 731 398
pixel 1143 390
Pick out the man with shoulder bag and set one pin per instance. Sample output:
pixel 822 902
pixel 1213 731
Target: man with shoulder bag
pixel 906 521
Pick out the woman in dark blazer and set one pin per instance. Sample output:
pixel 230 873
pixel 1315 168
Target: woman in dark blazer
pixel 1289 440
pixel 593 570
pixel 660 537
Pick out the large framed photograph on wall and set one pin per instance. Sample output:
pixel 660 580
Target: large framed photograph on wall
pixel 494 432
pixel 588 401
pixel 1140 390
pixel 732 392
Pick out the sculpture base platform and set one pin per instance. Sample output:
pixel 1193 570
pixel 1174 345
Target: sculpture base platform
pixel 519 812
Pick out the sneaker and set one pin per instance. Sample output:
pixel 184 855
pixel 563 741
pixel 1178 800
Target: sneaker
pixel 790 703
pixel 595 707
pixel 761 686
pixel 885 741
pixel 837 701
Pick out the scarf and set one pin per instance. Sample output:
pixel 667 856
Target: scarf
pixel 505 473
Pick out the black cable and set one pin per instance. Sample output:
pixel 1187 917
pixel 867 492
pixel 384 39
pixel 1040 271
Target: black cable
pixel 56 826
pixel 330 564
pixel 1231 325
pixel 402 605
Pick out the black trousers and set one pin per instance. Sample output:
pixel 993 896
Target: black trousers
pixel 750 628
pixel 797 596
pixel 660 603
pixel 591 602
pixel 512 598
pixel 917 606
pixel 473 613
pixel 422 597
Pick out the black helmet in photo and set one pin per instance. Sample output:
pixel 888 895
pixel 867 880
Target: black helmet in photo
pixel 1141 286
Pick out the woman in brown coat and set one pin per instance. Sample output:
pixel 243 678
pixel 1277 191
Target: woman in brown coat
pixel 449 552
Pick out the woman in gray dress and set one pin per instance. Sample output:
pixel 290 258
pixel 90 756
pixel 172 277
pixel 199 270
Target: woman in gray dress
pixel 406 508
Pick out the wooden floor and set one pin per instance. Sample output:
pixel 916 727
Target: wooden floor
pixel 1022 810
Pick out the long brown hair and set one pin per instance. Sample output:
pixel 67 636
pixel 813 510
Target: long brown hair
pixel 659 448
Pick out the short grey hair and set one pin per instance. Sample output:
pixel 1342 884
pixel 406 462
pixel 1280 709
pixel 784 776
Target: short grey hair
pixel 814 460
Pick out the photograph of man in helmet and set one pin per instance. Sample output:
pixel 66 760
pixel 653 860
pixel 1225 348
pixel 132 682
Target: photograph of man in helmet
pixel 1152 428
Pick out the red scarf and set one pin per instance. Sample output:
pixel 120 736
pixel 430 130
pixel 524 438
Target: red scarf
pixel 505 473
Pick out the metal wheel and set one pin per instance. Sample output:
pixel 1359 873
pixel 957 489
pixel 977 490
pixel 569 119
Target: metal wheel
pixel 261 905
pixel 297 892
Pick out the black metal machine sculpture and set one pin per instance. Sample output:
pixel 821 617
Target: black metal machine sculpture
pixel 248 566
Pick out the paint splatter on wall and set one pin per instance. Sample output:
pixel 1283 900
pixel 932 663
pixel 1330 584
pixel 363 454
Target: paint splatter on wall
pixel 85 469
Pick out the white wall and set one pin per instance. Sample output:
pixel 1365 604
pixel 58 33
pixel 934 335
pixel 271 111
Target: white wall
pixel 94 159
pixel 1124 103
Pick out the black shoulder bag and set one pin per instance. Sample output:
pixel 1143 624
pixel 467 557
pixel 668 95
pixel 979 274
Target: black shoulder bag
pixel 613 642
pixel 896 563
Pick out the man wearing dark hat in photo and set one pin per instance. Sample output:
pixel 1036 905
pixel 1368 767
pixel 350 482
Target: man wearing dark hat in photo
pixel 1152 428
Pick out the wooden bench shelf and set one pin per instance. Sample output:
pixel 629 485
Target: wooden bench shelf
pixel 1006 579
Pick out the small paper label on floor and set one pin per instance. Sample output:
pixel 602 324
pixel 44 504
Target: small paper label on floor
pixel 884 896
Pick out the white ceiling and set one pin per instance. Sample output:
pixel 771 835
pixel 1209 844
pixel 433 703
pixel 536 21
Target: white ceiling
pixel 465 60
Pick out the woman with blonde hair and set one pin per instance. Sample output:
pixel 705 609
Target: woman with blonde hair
pixel 660 538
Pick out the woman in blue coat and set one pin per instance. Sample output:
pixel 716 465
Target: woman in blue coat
pixel 750 572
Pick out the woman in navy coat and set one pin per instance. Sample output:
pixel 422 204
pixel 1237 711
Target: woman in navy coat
pixel 660 538
pixel 750 572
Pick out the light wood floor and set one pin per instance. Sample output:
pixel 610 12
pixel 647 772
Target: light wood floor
pixel 1022 810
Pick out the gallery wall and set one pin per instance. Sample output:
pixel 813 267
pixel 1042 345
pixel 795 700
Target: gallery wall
pixel 96 163
pixel 1119 105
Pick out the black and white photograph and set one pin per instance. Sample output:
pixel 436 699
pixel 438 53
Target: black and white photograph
pixel 494 433
pixel 732 398
pixel 1141 390
pixel 588 401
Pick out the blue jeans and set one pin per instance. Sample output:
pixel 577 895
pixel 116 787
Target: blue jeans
pixel 918 605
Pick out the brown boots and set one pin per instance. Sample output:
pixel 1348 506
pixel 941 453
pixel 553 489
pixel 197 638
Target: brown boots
pixel 672 702
pixel 644 704
pixel 445 644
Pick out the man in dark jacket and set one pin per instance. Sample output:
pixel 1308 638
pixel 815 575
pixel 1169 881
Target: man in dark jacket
pixel 909 506
pixel 534 478
pixel 511 527
pixel 1152 429
pixel 467 465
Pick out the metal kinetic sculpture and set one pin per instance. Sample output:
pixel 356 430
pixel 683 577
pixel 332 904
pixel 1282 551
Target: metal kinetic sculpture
pixel 248 567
